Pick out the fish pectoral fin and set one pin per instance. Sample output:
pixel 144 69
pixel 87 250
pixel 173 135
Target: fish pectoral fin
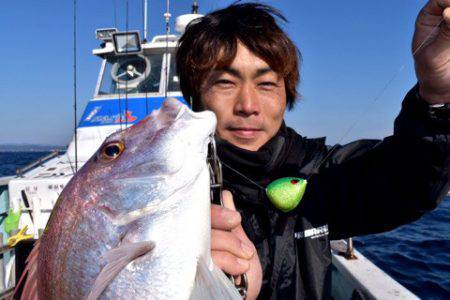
pixel 212 284
pixel 117 259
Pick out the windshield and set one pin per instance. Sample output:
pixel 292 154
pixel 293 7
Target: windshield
pixel 136 74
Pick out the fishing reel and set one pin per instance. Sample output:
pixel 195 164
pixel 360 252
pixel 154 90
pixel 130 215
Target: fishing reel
pixel 129 71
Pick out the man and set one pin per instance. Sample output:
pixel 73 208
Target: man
pixel 238 63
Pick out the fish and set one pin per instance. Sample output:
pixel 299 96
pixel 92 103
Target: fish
pixel 134 222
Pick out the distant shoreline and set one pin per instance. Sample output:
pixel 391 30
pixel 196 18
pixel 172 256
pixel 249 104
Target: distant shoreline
pixel 30 148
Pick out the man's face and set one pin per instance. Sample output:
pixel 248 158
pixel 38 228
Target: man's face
pixel 248 98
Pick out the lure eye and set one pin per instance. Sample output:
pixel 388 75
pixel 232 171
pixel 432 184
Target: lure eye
pixel 111 151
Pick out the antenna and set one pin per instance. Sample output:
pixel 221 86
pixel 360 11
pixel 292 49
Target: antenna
pixel 145 20
pixel 115 13
pixel 195 7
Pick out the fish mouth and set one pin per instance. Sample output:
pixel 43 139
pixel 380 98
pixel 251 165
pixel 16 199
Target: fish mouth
pixel 206 115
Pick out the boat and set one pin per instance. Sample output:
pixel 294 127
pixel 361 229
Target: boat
pixel 135 77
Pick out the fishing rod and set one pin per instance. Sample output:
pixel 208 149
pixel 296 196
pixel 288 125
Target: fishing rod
pixel 145 41
pixel 75 82
pixel 167 16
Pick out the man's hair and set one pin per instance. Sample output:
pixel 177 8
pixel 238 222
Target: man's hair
pixel 210 42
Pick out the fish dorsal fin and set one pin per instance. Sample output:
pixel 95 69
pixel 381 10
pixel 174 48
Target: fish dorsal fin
pixel 116 259
pixel 30 273
pixel 212 284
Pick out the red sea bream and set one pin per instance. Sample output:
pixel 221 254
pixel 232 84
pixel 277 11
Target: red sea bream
pixel 134 223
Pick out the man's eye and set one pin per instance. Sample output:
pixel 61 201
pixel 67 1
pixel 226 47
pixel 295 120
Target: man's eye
pixel 223 82
pixel 268 84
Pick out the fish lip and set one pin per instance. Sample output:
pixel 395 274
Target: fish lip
pixel 205 114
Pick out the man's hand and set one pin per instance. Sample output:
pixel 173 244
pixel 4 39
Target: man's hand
pixel 432 51
pixel 231 250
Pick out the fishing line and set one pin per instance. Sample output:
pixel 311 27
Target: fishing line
pixel 75 82
pixel 146 90
pixel 120 107
pixel 117 84
pixel 242 175
pixel 70 164
pixel 126 55
pixel 377 97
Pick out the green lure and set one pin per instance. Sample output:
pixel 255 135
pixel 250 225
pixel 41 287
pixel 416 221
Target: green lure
pixel 12 220
pixel 286 193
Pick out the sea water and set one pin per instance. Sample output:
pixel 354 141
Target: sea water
pixel 417 255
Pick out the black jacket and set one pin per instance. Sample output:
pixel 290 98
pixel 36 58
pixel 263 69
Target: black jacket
pixel 364 187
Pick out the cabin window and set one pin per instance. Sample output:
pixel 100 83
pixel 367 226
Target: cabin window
pixel 174 82
pixel 132 74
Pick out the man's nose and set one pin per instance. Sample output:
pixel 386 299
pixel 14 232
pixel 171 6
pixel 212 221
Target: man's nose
pixel 247 103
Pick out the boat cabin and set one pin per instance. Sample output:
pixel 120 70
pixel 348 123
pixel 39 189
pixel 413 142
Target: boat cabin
pixel 134 79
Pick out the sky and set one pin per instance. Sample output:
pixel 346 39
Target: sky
pixel 351 49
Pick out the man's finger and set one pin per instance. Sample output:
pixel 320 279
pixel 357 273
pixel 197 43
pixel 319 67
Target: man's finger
pixel 445 26
pixel 229 263
pixel 435 7
pixel 227 198
pixel 441 43
pixel 229 203
pixel 428 20
pixel 431 46
pixel 227 241
pixel 446 15
pixel 224 218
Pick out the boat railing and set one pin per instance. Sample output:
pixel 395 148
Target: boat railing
pixel 356 277
pixel 40 161
pixel 349 253
pixel 5 291
pixel 5 180
pixel 7 266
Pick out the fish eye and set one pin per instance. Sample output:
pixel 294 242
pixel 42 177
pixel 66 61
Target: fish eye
pixel 111 151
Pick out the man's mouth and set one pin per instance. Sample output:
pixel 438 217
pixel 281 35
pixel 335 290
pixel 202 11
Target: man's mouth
pixel 245 132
